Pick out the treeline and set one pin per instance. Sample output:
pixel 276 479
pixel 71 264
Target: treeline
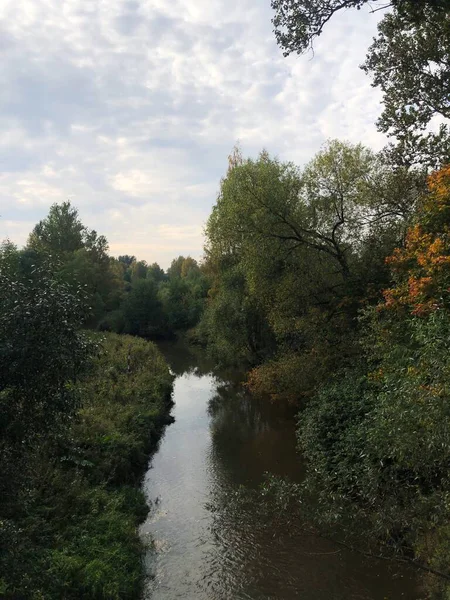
pixel 80 411
pixel 332 282
pixel 123 294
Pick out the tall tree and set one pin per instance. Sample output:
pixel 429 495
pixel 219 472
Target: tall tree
pixel 79 257
pixel 294 253
pixel 42 353
pixel 409 62
pixel 60 232
pixel 299 22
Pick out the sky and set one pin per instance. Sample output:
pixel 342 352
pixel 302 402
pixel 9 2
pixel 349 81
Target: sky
pixel 130 108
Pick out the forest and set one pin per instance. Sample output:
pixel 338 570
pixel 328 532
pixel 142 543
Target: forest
pixel 329 283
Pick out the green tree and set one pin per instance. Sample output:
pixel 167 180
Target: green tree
pixel 298 22
pixel 294 252
pixel 42 353
pixel 175 267
pixel 410 62
pixel 142 310
pixel 61 232
pixel 183 293
pixel 79 257
pixel 156 273
pixel 127 259
pixel 139 270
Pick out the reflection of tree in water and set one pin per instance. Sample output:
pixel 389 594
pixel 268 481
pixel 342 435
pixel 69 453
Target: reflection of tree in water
pixel 246 545
pixel 185 359
pixel 250 435
pixel 235 416
pixel 255 546
pixel 190 359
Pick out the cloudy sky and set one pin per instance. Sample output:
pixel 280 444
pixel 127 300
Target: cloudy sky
pixel 129 108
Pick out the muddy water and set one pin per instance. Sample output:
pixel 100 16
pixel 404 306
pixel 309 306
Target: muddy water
pixel 203 549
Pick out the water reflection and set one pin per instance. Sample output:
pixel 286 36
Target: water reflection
pixel 250 437
pixel 187 360
pixel 208 546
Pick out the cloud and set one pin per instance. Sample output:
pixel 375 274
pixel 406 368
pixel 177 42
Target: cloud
pixel 130 107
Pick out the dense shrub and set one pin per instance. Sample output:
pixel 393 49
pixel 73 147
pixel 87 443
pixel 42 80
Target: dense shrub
pixel 73 533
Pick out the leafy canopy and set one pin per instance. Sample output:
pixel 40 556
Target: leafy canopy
pixel 409 61
pixel 298 22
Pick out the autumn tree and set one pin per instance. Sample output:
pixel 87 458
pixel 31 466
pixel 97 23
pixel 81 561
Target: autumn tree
pixel 376 434
pixel 422 266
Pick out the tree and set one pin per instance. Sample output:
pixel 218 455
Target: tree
pixel 59 233
pixel 183 293
pixel 233 325
pixel 142 310
pixel 79 256
pixel 295 254
pixel 175 267
pixel 343 196
pixel 139 270
pixel 376 436
pixel 189 268
pixel 298 22
pixel 156 273
pixel 127 259
pixel 410 63
pixel 42 353
pixel 422 266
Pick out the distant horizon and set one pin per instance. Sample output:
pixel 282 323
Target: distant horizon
pixel 130 111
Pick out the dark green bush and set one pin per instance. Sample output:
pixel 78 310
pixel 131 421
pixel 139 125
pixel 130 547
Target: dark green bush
pixel 73 531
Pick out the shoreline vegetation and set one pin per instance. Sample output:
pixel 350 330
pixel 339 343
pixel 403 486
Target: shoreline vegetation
pixel 337 303
pixel 337 299
pixel 83 404
pixel 329 283
pixel 74 532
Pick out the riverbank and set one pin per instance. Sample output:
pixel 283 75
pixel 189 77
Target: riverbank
pixel 74 534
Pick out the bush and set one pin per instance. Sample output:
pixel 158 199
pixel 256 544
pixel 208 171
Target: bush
pixel 73 533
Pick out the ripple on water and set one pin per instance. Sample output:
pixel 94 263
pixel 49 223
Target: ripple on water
pixel 205 550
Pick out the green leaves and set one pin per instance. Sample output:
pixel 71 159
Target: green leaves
pixel 291 253
pixel 41 352
pixel 71 531
pixel 298 22
pixel 410 62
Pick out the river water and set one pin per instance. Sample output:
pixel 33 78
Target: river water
pixel 202 550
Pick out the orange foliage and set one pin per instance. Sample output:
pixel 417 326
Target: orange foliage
pixel 422 267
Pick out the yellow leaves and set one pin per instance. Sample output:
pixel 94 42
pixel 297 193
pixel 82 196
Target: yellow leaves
pixel 423 265
pixel 376 376
pixel 439 185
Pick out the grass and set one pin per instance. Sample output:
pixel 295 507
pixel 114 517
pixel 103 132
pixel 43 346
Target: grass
pixel 74 533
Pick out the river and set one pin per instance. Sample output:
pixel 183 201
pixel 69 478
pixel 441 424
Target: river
pixel 202 550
